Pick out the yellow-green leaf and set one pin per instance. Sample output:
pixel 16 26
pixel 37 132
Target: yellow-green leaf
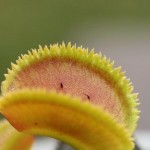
pixel 11 139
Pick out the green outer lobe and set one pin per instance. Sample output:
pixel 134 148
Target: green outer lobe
pixel 89 127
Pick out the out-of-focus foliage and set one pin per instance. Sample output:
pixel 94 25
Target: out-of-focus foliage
pixel 25 24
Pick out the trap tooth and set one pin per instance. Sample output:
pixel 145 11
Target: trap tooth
pixel 135 95
pixel 85 54
pixel 91 53
pixel 35 53
pixel 40 49
pixel 54 50
pixel 116 72
pixel 63 49
pixel 104 58
pixel 69 45
pixel 19 61
pixel 112 64
pixel 6 75
pixel 91 56
pixel 108 60
pixel 29 53
pixel 9 71
pixel 63 45
pixel 46 52
pixel 15 67
pixel 97 60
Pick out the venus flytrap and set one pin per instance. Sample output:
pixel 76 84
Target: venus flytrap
pixel 72 95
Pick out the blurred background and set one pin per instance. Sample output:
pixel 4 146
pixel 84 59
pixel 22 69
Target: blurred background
pixel 119 29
